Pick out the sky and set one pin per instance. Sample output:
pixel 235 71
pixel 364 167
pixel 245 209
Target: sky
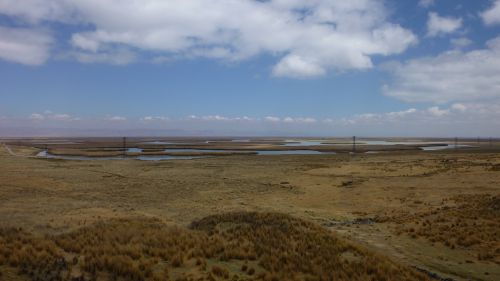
pixel 250 68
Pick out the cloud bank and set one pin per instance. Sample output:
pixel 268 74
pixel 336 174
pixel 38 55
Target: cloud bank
pixel 26 46
pixel 492 15
pixel 452 76
pixel 465 119
pixel 308 38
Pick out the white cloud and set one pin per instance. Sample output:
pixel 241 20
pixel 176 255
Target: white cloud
pixel 492 15
pixel 26 46
pixel 483 115
pixel 245 118
pixel 154 118
pixel 36 116
pixel 308 38
pixel 465 119
pixel 306 120
pixel 35 11
pixel 458 119
pixel 272 119
pixel 219 118
pixel 118 57
pixel 215 118
pixel 303 120
pixel 459 107
pixel 50 116
pixel 85 43
pixel 296 66
pixel 461 42
pixel 62 117
pixel 449 77
pixel 486 112
pixel 116 118
pixel 401 113
pixel 437 25
pixel 436 111
pixel 386 118
pixel 425 3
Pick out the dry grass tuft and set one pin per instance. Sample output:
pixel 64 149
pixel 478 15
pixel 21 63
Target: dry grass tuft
pixel 467 221
pixel 238 246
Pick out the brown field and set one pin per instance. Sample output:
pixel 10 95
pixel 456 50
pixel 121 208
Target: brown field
pixel 403 215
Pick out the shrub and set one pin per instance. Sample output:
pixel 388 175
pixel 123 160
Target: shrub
pixel 219 271
pixel 177 260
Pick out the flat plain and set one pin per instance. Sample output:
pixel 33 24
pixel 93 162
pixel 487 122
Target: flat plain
pixel 412 215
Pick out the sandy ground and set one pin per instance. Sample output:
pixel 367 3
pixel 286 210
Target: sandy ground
pixel 56 196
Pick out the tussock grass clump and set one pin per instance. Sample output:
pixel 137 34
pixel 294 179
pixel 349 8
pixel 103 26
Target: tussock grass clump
pixel 234 246
pixel 220 271
pixel 292 249
pixel 38 258
pixel 467 221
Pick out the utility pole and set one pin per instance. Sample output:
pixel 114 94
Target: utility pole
pixel 124 146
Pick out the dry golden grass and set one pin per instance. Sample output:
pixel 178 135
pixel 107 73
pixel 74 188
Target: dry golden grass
pixel 238 246
pixel 52 196
pixel 287 248
pixel 465 221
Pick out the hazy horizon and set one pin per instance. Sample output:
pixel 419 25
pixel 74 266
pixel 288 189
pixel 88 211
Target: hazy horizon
pixel 145 133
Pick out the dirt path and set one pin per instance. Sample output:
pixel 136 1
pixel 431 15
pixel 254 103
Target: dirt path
pixel 9 150
pixel 12 153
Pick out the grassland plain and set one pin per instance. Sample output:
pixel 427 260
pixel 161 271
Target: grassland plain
pixel 436 211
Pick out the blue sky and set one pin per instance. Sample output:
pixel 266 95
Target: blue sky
pixel 365 67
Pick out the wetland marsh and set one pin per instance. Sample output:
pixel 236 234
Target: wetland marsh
pixel 397 214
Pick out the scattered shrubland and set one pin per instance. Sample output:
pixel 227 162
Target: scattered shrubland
pixel 231 246
pixel 466 221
